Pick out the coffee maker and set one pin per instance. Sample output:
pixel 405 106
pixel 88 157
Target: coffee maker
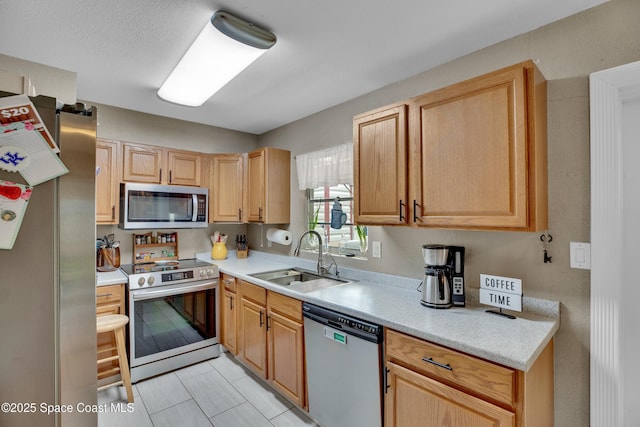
pixel 443 283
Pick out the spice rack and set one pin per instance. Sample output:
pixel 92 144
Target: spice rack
pixel 154 246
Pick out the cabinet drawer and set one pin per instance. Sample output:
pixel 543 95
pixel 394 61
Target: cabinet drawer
pixel 286 306
pixel 108 295
pixel 459 370
pixel 229 282
pixel 253 292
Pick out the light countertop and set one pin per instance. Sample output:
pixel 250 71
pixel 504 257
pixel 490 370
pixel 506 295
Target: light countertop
pixel 394 302
pixel 110 278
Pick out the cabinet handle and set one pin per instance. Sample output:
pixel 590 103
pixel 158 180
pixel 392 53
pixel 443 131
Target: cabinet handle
pixel 104 295
pixel 401 211
pixel 113 212
pixel 415 214
pixel 230 303
pixel 261 321
pixel 268 317
pixel 239 214
pixel 433 362
pixel 386 380
pixel 160 174
pixel 259 214
pixel 228 281
pixel 170 175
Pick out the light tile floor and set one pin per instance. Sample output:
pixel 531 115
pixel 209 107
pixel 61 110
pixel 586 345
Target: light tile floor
pixel 219 392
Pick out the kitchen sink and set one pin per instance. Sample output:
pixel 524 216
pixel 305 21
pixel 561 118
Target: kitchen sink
pixel 293 276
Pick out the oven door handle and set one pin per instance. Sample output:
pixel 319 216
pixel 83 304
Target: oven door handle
pixel 159 293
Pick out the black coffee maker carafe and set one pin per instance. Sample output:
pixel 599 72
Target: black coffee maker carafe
pixel 443 283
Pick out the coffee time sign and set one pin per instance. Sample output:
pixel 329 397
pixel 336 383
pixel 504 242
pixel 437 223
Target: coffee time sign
pixel 502 292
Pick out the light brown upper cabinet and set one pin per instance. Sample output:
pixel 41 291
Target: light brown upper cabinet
pixel 478 153
pixel 158 165
pixel 380 166
pixel 227 190
pixel 107 178
pixel 269 172
pixel 477 156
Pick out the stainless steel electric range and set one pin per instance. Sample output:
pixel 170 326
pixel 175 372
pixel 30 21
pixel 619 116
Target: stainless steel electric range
pixel 173 316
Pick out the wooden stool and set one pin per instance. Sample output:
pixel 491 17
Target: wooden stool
pixel 116 323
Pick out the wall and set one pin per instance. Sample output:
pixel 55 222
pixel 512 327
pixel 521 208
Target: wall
pixel 133 126
pixel 49 81
pixel 566 52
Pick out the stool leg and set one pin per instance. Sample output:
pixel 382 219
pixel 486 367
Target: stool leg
pixel 124 365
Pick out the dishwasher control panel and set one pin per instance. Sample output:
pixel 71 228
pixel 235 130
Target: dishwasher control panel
pixel 358 327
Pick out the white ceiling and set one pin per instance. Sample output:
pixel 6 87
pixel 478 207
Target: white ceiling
pixel 328 51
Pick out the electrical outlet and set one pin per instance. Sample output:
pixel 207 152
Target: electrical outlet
pixel 376 249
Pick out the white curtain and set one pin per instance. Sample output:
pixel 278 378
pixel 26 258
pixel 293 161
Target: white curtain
pixel 330 166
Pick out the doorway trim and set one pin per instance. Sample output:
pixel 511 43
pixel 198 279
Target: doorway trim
pixel 608 90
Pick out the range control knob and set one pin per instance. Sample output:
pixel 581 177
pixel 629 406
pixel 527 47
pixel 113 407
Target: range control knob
pixel 151 280
pixel 141 281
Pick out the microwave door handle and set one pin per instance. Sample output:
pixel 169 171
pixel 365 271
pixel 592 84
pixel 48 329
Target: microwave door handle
pixel 194 200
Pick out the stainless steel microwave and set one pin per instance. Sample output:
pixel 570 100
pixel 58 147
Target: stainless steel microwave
pixel 162 206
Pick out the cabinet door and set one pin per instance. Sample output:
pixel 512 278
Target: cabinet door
pixel 256 165
pixel 107 179
pixel 269 186
pixel 109 300
pixel 228 315
pixel 285 338
pixel 142 163
pixel 253 347
pixel 414 400
pixel 184 168
pixel 227 188
pixel 470 153
pixel 380 166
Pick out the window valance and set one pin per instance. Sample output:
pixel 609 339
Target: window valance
pixel 330 166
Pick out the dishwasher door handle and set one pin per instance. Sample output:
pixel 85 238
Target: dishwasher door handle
pixel 334 335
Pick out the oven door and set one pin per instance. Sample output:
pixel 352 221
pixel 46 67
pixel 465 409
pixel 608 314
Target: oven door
pixel 170 320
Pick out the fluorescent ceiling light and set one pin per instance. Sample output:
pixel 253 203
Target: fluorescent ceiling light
pixel 225 47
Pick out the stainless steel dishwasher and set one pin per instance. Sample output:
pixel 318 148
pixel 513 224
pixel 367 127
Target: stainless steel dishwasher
pixel 344 379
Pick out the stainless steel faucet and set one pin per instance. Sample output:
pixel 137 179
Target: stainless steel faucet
pixel 321 268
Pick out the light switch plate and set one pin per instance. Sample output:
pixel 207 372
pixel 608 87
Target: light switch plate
pixel 580 253
pixel 376 249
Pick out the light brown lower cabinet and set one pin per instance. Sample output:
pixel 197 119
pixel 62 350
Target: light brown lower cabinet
pixel 429 385
pixel 229 314
pixel 285 337
pixel 109 300
pixel 270 339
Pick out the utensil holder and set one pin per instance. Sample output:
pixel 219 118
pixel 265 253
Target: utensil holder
pixel 219 251
pixel 108 259
pixel 242 253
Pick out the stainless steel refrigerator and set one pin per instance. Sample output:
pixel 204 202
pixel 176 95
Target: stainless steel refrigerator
pixel 47 288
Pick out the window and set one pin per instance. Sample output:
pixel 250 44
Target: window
pixel 320 203
pixel 326 175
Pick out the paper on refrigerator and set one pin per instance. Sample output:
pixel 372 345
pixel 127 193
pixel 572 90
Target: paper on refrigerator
pixel 23 148
pixel 13 205
pixel 18 108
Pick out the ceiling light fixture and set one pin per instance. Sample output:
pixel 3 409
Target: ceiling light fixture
pixel 225 47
